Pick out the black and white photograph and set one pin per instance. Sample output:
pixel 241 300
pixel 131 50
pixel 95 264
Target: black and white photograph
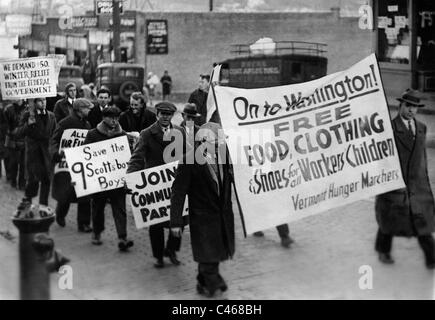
pixel 230 152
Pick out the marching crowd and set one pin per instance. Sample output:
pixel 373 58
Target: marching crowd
pixel 32 132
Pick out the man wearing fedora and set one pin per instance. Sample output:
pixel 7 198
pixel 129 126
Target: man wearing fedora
pixel 190 129
pixel 149 153
pixel 408 212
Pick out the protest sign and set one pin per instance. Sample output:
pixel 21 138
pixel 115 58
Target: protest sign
pixel 71 138
pixel 151 194
pixel 98 167
pixel 306 148
pixel 28 78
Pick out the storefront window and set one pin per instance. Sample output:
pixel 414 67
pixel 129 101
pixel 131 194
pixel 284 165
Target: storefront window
pixel 394 38
pixel 426 33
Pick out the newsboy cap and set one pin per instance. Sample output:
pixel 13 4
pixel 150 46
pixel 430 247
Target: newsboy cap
pixel 166 107
pixel 111 111
pixel 412 97
pixel 82 103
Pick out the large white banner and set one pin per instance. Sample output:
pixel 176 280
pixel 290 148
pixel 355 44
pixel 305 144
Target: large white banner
pixel 302 149
pixel 71 138
pixel 28 78
pixel 151 194
pixel 100 166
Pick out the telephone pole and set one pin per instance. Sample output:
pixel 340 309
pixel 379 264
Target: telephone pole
pixel 211 5
pixel 116 42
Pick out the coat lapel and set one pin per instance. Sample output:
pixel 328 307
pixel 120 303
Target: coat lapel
pixel 403 134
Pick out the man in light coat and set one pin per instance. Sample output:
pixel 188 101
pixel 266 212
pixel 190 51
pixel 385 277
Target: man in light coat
pixel 408 212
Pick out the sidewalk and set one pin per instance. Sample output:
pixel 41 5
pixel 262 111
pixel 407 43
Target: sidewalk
pixel 323 263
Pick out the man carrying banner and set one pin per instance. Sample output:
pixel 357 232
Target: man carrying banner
pixel 63 191
pixel 408 212
pixel 15 170
pixel 148 154
pixel 63 107
pixel 37 125
pixel 207 183
pixel 107 129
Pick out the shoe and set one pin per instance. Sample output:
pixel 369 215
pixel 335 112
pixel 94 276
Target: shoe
pixel 124 245
pixel 96 239
pixel 160 264
pixel 85 229
pixel 259 234
pixel 286 242
pixel 385 258
pixel 60 221
pixel 172 257
pixel 430 265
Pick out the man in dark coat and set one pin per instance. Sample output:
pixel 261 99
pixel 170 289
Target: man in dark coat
pixel 190 129
pixel 15 170
pixel 109 128
pixel 37 125
pixel 207 183
pixel 166 82
pixel 103 100
pixel 63 191
pixel 408 212
pixel 199 98
pixel 148 154
pixel 137 117
pixel 63 107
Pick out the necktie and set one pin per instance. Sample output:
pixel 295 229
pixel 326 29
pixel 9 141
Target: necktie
pixel 410 127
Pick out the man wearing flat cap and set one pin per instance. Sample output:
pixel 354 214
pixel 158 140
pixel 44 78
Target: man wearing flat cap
pixel 149 153
pixel 109 128
pixel 408 212
pixel 62 190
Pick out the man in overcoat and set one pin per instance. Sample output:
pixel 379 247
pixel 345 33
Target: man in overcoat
pixel 63 107
pixel 108 129
pixel 63 191
pixel 149 153
pixel 37 125
pixel 408 212
pixel 207 183
pixel 137 117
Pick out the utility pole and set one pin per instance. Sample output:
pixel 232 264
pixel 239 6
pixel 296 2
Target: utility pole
pixel 211 5
pixel 116 42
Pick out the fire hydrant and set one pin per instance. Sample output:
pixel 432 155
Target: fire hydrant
pixel 37 255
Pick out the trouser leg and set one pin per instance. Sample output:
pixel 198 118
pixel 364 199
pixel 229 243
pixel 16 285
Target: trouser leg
pixel 157 237
pixel 384 242
pixel 98 205
pixel 428 245
pixel 209 277
pixel 283 230
pixel 32 187
pixel 84 211
pixel 45 191
pixel 22 168
pixel 62 208
pixel 117 201
pixel 12 168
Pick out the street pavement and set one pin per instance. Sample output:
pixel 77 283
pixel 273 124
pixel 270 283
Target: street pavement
pixel 323 263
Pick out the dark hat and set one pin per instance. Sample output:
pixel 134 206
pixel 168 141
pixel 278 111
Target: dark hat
pixel 111 111
pixel 166 106
pixel 82 103
pixel 190 110
pixel 412 97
